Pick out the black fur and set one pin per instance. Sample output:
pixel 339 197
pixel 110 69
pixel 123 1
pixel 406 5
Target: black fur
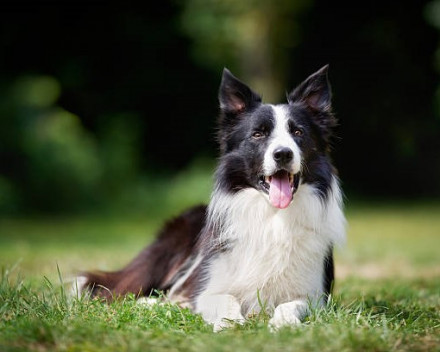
pixel 329 272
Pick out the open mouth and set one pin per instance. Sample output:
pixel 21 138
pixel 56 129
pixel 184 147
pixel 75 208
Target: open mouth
pixel 280 186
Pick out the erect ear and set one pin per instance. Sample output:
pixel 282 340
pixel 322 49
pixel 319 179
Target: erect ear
pixel 315 91
pixel 235 97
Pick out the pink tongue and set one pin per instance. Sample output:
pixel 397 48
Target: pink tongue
pixel 280 193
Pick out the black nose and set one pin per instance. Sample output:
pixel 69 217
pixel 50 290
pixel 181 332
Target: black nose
pixel 283 155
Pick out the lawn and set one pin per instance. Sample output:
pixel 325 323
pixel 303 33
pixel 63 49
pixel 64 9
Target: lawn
pixel 387 295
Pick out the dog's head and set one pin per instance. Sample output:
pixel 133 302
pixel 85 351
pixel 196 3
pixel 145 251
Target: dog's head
pixel 274 148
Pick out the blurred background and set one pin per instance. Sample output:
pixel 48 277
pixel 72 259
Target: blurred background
pixel 110 107
pixel 99 101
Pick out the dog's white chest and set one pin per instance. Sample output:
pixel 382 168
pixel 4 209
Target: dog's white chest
pixel 274 256
pixel 269 271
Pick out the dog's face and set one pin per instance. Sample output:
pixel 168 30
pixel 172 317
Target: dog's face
pixel 273 147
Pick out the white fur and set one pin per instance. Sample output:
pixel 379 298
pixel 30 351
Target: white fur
pixel 149 301
pixel 220 310
pixel 172 294
pixel 77 286
pixel 289 313
pixel 281 137
pixel 276 256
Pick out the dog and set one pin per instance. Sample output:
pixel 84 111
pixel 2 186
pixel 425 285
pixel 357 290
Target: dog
pixel 266 238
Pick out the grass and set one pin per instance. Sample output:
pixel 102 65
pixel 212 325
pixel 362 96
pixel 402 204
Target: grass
pixel 387 296
pixel 393 317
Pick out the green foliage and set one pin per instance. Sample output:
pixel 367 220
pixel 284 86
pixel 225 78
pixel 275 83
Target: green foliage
pixel 62 166
pixel 57 164
pixel 36 91
pixel 119 138
pixel 432 13
pixel 54 155
pixel 251 37
pixel 63 163
pixel 9 199
pixel 111 128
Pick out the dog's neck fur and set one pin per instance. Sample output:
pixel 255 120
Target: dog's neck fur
pixel 242 215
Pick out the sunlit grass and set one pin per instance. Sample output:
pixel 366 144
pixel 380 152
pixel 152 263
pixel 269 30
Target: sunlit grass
pixel 39 244
pixel 392 239
pixel 382 316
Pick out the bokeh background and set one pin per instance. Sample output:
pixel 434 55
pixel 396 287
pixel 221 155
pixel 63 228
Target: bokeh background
pixel 108 109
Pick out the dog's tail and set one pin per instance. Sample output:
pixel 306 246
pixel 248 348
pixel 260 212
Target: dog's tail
pixel 157 266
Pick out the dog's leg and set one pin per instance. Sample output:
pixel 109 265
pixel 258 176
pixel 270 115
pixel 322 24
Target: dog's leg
pixel 220 310
pixel 288 314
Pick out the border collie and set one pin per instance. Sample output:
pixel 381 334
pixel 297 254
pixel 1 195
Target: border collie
pixel 267 236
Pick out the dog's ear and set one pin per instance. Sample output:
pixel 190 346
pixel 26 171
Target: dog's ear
pixel 315 92
pixel 234 96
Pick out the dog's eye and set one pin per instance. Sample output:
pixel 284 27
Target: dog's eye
pixel 257 135
pixel 297 132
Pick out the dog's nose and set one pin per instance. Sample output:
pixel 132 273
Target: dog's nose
pixel 283 155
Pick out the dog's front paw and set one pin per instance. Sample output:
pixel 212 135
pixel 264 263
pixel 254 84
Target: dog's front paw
pixel 288 314
pixel 223 311
pixel 283 316
pixel 230 315
pixel 149 301
pixel 225 323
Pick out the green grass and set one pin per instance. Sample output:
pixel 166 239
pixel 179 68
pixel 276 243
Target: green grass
pixel 393 316
pixel 387 296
